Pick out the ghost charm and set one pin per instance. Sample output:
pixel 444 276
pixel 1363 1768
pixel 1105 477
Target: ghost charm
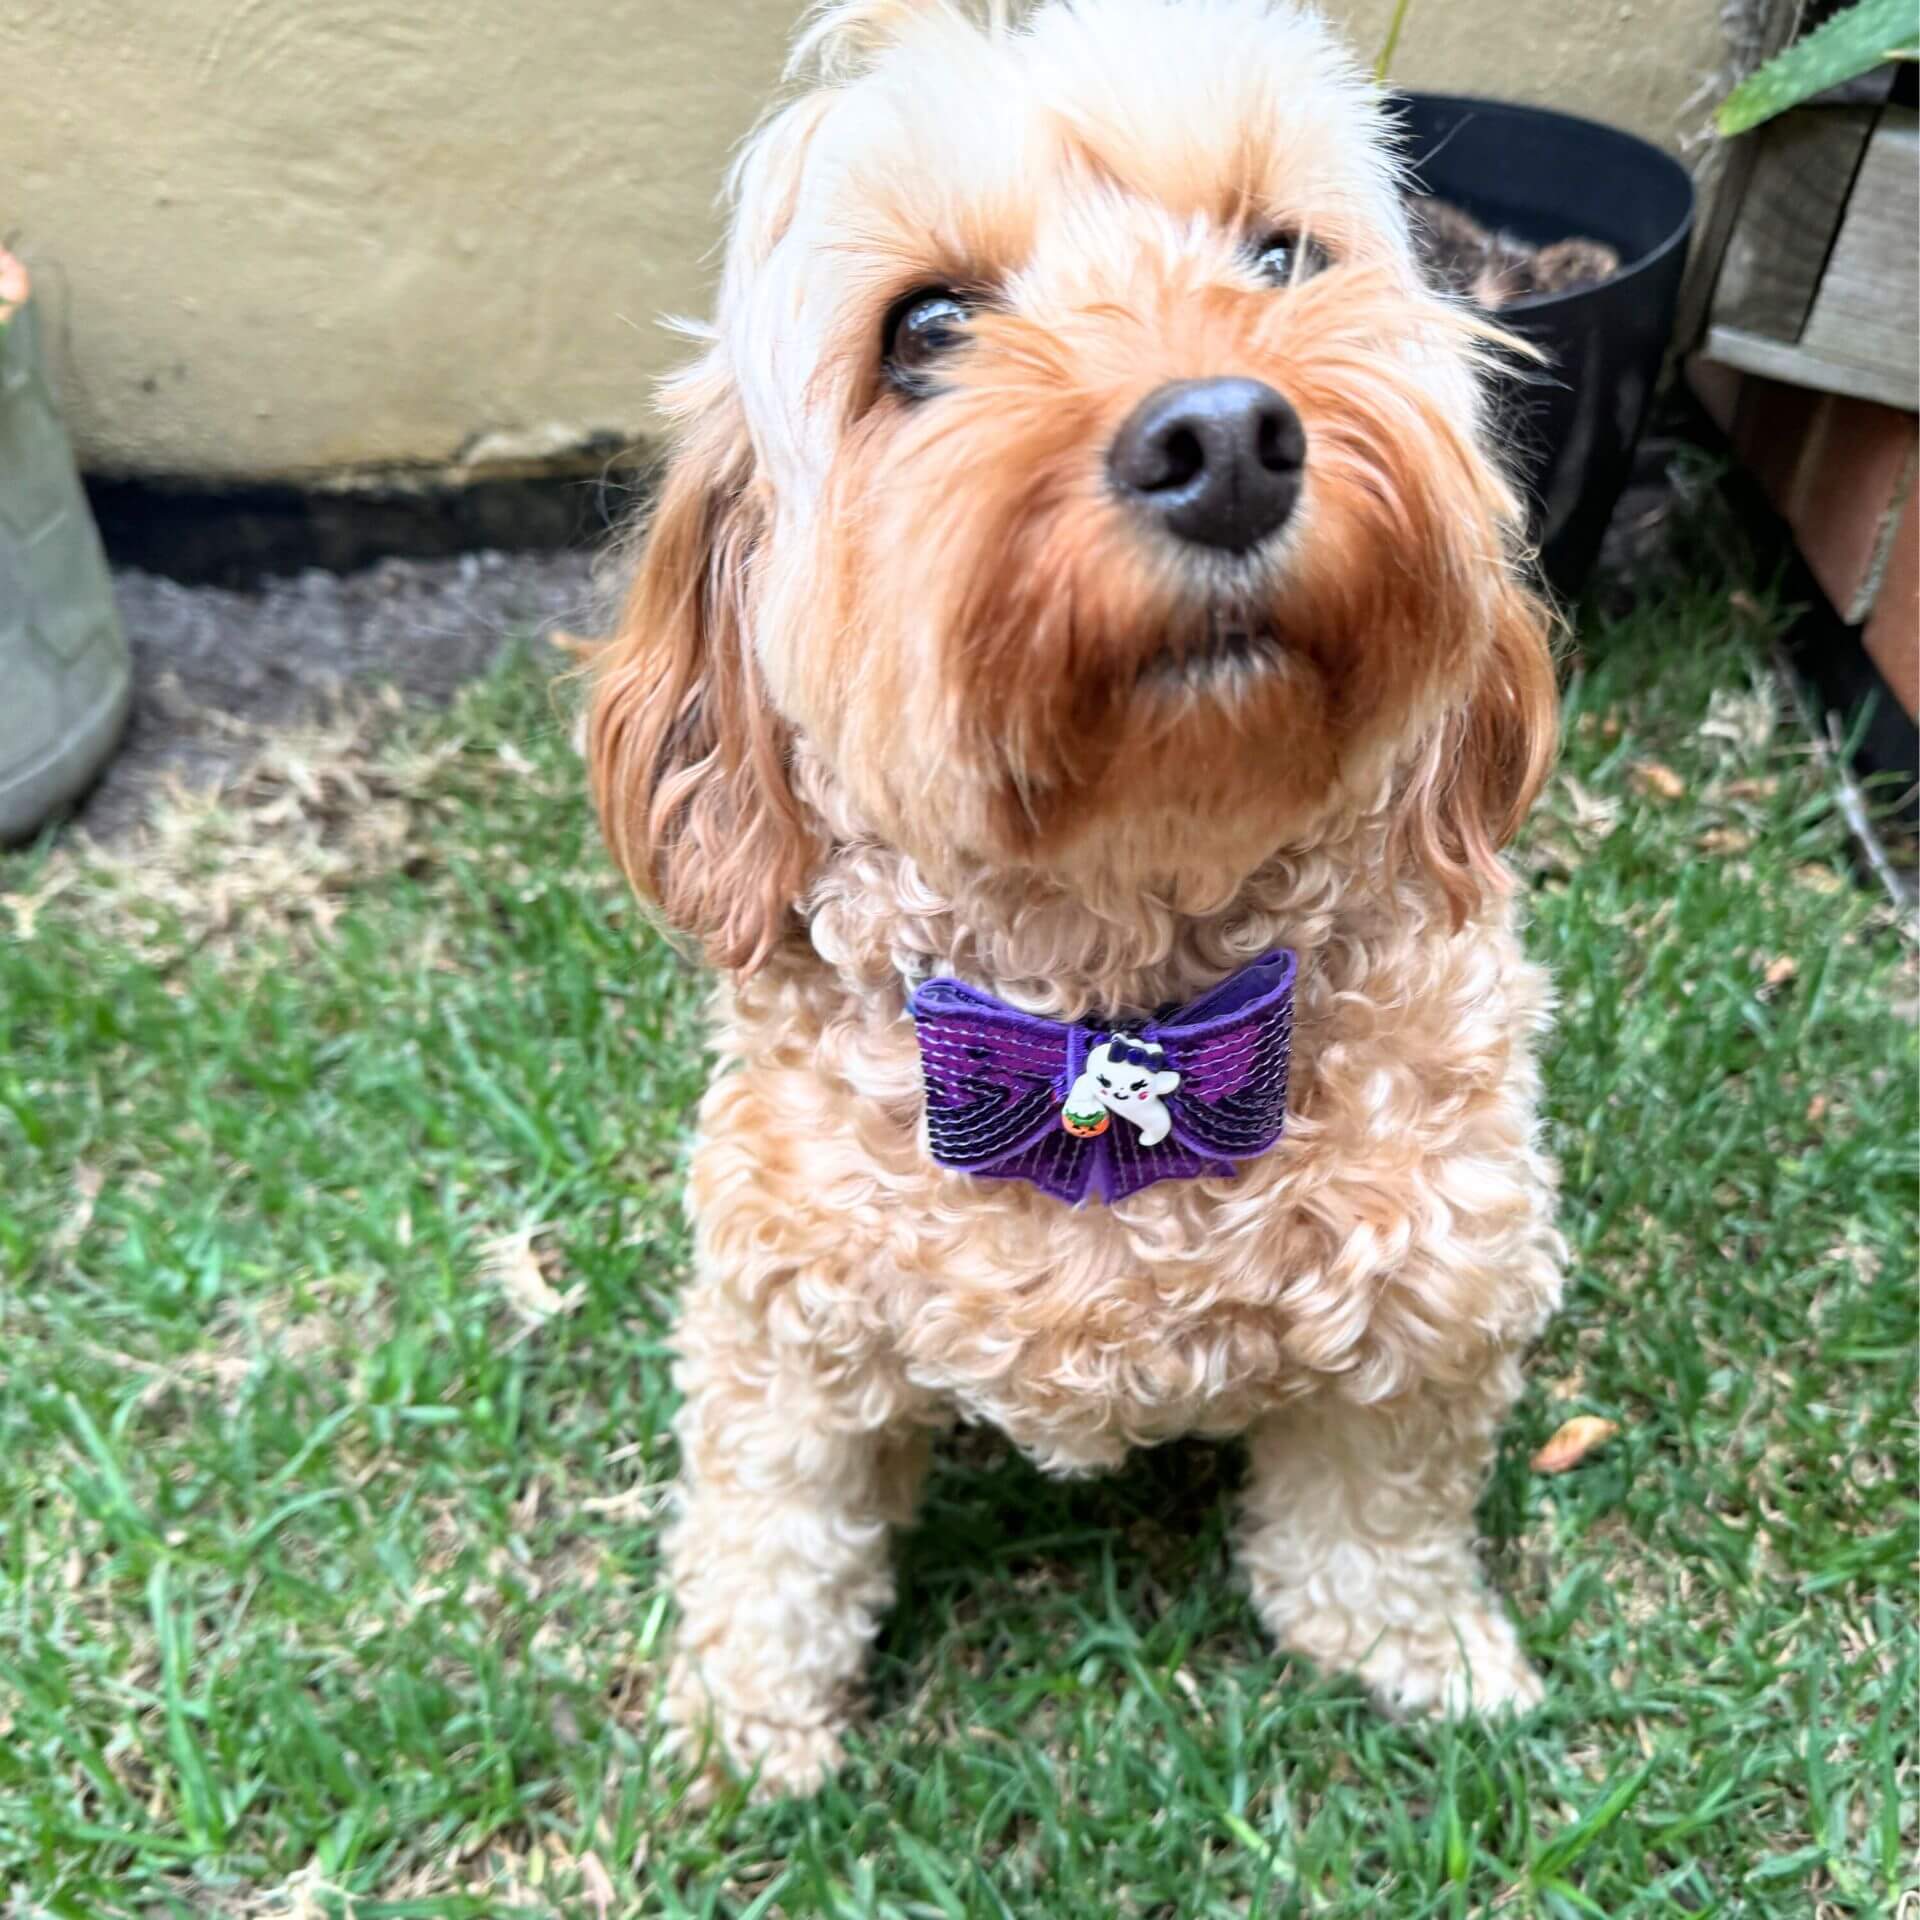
pixel 1124 1076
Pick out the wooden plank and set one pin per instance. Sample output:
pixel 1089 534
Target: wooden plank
pixel 1793 206
pixel 1756 32
pixel 1867 312
pixel 1800 365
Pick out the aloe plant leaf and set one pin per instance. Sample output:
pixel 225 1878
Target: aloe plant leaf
pixel 1853 42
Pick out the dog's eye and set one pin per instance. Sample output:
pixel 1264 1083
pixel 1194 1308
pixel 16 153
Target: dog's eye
pixel 919 330
pixel 1284 257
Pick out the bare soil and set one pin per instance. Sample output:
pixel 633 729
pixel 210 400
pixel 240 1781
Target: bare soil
pixel 214 667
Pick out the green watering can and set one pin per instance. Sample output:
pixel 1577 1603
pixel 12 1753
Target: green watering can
pixel 65 681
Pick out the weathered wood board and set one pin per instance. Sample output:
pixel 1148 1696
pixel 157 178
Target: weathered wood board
pixel 1867 312
pixel 1820 280
pixel 1796 194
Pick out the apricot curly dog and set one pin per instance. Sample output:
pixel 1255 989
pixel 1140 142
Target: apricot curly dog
pixel 1082 632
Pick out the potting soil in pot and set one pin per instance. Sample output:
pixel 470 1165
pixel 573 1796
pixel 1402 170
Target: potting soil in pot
pixel 1495 269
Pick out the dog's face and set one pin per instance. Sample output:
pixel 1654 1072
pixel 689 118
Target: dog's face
pixel 1079 468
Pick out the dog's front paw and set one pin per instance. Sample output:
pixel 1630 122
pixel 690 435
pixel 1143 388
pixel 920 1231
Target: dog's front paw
pixel 1467 1664
pixel 1459 1663
pixel 781 1758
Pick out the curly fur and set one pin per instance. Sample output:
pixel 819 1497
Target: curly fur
pixel 881 707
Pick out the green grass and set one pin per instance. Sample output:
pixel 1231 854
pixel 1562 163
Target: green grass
pixel 328 1578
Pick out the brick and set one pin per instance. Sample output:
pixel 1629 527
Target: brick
pixel 1892 637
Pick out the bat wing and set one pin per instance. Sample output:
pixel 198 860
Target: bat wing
pixel 995 1078
pixel 1232 1048
pixel 1127 1166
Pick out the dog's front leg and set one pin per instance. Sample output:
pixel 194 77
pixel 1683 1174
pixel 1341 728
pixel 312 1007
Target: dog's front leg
pixel 1358 1541
pixel 778 1555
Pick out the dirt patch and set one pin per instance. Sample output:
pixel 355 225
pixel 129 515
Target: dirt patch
pixel 213 666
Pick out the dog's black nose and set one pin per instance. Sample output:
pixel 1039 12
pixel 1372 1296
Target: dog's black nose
pixel 1217 461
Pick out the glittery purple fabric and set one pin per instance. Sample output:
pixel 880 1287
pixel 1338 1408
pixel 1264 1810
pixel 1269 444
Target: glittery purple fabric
pixel 996 1079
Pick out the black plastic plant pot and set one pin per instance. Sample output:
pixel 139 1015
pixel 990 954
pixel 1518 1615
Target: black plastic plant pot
pixel 1543 176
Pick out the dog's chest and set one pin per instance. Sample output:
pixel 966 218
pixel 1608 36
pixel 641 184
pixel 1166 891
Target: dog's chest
pixel 1082 1332
pixel 1191 1306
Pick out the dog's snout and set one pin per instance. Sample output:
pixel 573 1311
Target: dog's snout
pixel 1216 461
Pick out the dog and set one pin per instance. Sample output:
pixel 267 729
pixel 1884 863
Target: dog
pixel 1083 571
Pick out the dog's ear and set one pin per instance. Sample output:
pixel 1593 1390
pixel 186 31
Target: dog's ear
pixel 1483 769
pixel 689 762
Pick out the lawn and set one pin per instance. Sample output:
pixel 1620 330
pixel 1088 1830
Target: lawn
pixel 339 1143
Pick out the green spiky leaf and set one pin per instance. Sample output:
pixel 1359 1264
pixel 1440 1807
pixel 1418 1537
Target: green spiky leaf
pixel 1853 42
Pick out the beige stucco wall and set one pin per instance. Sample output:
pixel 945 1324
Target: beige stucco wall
pixel 315 236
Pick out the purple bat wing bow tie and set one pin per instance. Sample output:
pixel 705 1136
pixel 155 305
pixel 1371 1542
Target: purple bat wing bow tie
pixel 1083 1108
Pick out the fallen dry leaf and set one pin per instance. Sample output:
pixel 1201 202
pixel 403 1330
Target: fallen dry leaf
pixel 512 1265
pixel 1780 971
pixel 1573 1441
pixel 595 1885
pixel 638 1502
pixel 25 907
pixel 308 1895
pixel 1817 1109
pixel 1593 814
pixel 1184 1680
pixel 526 1510
pixel 1741 719
pixel 1745 604
pixel 1725 840
pixel 1658 779
pixel 86 1193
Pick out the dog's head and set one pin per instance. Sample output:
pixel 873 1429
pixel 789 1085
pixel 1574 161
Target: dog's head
pixel 1080 468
